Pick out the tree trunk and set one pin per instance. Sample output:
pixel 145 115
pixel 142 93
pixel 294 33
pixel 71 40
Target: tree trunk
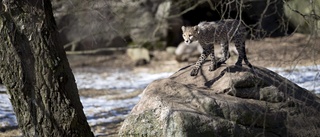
pixel 36 72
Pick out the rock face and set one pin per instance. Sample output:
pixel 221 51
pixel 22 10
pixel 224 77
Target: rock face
pixel 184 51
pixel 112 23
pixel 230 101
pixel 140 56
pixel 303 7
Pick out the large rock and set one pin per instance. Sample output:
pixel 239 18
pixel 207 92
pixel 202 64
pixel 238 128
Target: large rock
pixel 140 56
pixel 112 23
pixel 185 51
pixel 230 101
pixel 304 15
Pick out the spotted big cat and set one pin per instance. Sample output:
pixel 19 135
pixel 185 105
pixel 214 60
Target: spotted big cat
pixel 222 32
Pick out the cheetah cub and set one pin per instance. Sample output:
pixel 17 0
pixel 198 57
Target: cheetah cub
pixel 223 32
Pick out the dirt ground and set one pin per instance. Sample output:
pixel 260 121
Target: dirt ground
pixel 291 51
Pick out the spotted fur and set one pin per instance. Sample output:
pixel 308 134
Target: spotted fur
pixel 223 32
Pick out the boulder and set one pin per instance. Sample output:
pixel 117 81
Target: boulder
pixel 230 101
pixel 185 51
pixel 171 50
pixel 140 56
pixel 294 9
pixel 112 23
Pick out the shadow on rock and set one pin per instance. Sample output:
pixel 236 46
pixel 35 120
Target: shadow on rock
pixel 230 101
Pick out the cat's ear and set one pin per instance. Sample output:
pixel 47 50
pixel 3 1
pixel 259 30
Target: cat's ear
pixel 196 29
pixel 183 28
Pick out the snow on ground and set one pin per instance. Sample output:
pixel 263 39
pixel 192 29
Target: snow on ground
pixel 117 80
pixel 307 77
pixel 7 117
pixel 101 110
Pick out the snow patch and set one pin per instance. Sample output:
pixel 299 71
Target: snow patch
pixel 7 116
pixel 307 77
pixel 98 109
pixel 117 80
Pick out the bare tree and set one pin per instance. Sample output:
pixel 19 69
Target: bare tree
pixel 36 72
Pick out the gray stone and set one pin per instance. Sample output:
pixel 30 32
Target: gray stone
pixel 230 101
pixel 185 51
pixel 303 24
pixel 111 23
pixel 171 50
pixel 140 56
